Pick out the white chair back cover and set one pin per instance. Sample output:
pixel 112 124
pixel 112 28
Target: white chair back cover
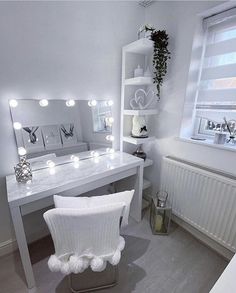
pixel 85 237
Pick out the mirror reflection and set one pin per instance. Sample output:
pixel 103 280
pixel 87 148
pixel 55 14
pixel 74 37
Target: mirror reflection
pixel 49 129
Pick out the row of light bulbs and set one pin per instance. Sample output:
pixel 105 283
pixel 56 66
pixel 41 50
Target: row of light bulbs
pixel 69 103
pixel 50 164
pixel 110 120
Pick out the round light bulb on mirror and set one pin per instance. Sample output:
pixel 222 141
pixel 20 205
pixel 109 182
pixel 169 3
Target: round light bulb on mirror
pixel 110 150
pixel 92 103
pixel 94 154
pixel 13 103
pixel 74 158
pixel 110 103
pixel 21 151
pixel 17 125
pixel 110 137
pixel 50 164
pixel 110 120
pixel 70 103
pixel 43 103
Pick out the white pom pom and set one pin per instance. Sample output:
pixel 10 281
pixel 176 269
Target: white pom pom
pixel 97 264
pixel 121 244
pixel 65 268
pixel 76 264
pixel 54 263
pixel 85 263
pixel 115 259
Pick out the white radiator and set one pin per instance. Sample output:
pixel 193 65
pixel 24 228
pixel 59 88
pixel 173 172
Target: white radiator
pixel 204 198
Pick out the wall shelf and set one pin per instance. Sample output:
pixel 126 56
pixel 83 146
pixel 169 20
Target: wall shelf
pixel 141 46
pixel 142 80
pixel 141 112
pixel 137 141
pixel 136 53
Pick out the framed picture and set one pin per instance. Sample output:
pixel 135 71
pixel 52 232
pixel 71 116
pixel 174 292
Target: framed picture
pixel 32 139
pixel 68 134
pixel 51 136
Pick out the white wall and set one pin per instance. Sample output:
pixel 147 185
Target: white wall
pixel 55 50
pixel 179 19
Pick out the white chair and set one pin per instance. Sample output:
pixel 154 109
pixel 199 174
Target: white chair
pixel 86 237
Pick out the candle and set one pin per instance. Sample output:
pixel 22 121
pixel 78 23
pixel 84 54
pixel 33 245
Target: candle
pixel 158 223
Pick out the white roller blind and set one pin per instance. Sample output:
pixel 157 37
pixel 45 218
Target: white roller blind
pixel 217 84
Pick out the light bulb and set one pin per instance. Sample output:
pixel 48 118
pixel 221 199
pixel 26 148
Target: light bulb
pixel 110 120
pixel 43 103
pixel 17 125
pixel 74 158
pixel 92 103
pixel 50 164
pixel 94 154
pixel 110 137
pixel 22 151
pixel 13 103
pixel 110 103
pixel 70 103
pixel 110 150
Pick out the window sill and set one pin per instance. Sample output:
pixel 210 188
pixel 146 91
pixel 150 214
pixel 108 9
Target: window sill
pixel 209 143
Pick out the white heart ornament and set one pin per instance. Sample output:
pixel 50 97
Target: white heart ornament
pixel 140 100
pixel 134 103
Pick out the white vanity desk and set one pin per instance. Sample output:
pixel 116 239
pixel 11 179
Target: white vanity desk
pixel 85 176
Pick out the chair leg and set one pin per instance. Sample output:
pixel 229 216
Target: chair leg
pixel 114 283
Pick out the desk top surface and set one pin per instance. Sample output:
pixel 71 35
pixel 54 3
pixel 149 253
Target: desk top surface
pixel 70 175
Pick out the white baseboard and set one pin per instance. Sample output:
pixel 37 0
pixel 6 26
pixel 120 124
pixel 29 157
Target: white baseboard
pixel 7 247
pixel 225 252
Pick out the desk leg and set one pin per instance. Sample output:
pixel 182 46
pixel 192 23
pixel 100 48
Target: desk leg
pixel 136 205
pixel 22 245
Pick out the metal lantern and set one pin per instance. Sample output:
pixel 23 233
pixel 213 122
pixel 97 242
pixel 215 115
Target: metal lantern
pixel 160 214
pixel 23 171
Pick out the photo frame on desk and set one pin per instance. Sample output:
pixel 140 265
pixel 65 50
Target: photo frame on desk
pixel 52 137
pixel 32 139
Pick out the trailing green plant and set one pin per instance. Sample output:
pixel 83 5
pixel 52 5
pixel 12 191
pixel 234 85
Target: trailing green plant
pixel 161 55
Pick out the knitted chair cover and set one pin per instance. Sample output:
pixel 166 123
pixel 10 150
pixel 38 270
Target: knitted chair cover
pixel 85 237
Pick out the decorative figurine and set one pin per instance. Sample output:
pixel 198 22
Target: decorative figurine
pixel 22 169
pixel 139 128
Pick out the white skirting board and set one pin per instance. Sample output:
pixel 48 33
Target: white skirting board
pixel 7 247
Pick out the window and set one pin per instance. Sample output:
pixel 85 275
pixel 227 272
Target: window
pixel 216 92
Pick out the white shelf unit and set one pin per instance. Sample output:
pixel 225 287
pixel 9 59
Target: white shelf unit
pixel 134 54
pixel 139 81
pixel 138 141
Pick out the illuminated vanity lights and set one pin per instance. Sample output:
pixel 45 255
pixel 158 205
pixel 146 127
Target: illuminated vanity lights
pixel 94 154
pixel 109 120
pixel 110 137
pixel 17 125
pixel 110 150
pixel 50 164
pixel 22 151
pixel 70 103
pixel 13 103
pixel 43 103
pixel 74 158
pixel 109 103
pixel 92 103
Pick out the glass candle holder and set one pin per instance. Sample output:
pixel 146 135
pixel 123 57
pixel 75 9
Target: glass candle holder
pixel 160 218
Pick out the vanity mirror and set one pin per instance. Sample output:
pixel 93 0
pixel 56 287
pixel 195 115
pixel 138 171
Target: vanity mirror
pixel 62 130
